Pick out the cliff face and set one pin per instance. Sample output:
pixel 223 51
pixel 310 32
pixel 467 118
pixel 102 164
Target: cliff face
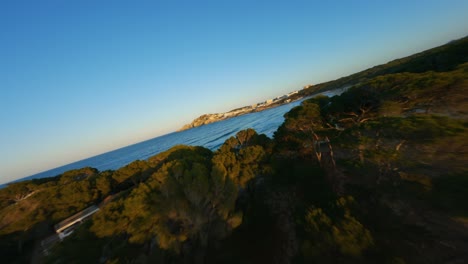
pixel 203 120
pixel 212 118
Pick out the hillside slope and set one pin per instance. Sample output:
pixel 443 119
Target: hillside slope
pixel 377 174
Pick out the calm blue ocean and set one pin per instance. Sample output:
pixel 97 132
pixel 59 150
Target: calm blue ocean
pixel 211 136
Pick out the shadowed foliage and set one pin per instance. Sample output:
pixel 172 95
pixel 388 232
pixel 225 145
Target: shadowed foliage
pixel 376 174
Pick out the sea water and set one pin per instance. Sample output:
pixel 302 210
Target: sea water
pixel 211 136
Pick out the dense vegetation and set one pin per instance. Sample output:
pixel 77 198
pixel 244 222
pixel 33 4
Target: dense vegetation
pixel 375 175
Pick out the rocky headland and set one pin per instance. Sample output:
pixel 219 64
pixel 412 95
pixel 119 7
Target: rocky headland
pixel 270 103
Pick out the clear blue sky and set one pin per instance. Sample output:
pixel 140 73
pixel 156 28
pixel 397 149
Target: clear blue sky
pixel 79 78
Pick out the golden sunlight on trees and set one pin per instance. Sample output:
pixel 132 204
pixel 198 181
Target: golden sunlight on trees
pixel 241 158
pixel 396 144
pixel 185 205
pixel 341 234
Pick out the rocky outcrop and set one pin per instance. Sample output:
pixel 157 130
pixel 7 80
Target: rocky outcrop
pixel 212 118
pixel 203 120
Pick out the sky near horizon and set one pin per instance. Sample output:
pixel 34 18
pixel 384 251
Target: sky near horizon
pixel 80 78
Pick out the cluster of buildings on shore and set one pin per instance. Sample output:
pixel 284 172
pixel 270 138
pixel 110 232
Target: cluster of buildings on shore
pixel 211 118
pixel 275 100
pixel 251 108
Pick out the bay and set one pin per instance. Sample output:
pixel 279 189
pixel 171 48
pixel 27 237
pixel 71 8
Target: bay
pixel 211 136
